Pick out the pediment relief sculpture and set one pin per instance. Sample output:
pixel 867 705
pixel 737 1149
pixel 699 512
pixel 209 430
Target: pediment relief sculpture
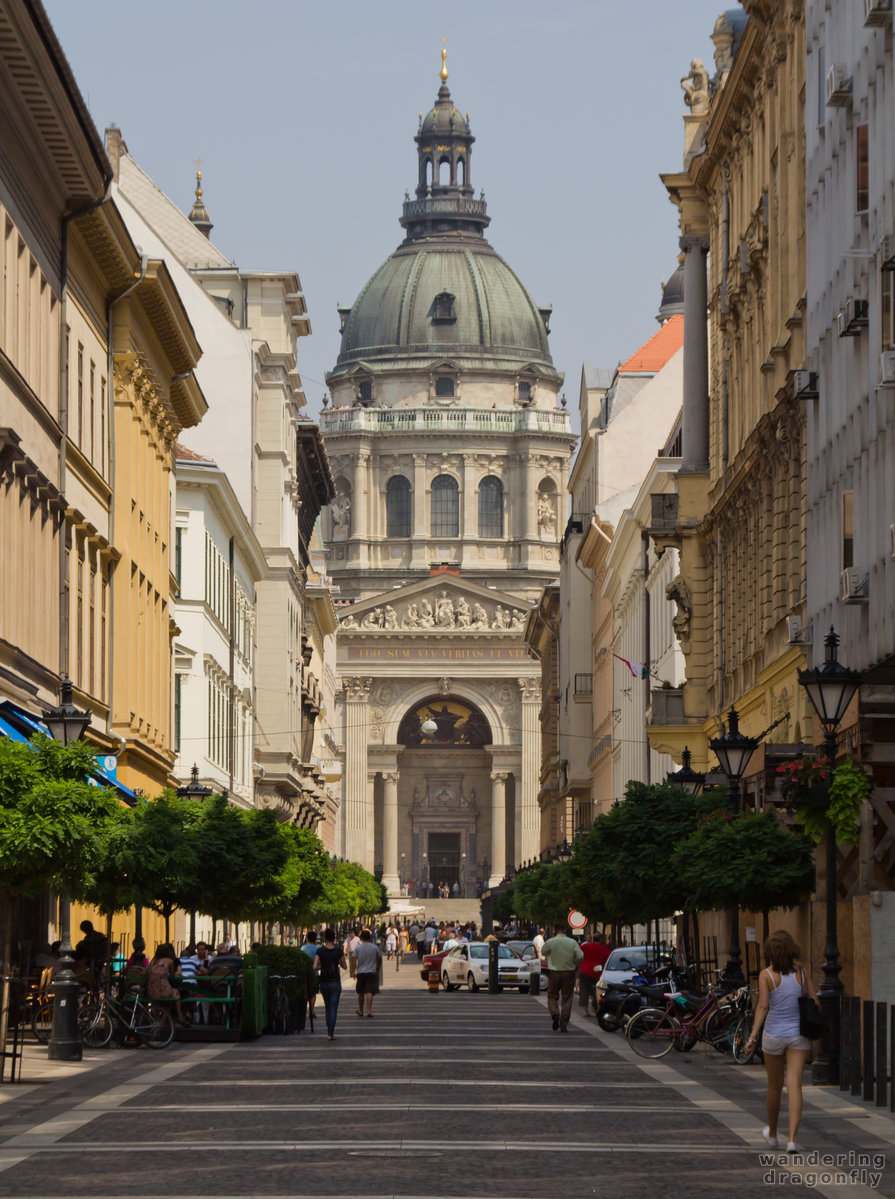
pixel 441 613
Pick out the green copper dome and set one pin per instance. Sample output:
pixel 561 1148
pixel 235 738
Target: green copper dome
pixel 445 293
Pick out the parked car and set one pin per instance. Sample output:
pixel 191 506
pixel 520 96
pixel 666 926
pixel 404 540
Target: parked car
pixel 468 965
pixel 432 961
pixel 629 961
pixel 528 951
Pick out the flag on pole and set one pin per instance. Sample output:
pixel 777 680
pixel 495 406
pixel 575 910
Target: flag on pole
pixel 638 671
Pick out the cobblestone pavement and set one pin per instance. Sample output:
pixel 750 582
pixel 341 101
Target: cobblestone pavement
pixel 461 1095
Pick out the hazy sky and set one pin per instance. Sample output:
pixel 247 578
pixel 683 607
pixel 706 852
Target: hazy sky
pixel 304 112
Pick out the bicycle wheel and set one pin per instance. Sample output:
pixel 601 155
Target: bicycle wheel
pixel 718 1031
pixel 94 1026
pixel 42 1019
pixel 652 1032
pixel 740 1036
pixel 153 1026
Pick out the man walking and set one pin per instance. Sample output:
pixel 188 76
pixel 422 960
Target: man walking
pixel 595 954
pixel 368 961
pixel 562 955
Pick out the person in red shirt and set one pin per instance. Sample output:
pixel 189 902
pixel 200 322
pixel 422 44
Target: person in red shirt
pixel 595 954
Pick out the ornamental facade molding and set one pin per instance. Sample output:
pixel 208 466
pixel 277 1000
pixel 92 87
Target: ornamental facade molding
pixel 444 612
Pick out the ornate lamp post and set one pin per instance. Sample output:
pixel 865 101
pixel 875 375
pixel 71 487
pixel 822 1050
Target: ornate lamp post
pixel 831 687
pixel 733 750
pixel 67 724
pixel 691 780
pixel 194 790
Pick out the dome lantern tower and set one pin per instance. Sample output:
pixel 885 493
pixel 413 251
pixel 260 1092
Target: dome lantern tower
pixel 444 198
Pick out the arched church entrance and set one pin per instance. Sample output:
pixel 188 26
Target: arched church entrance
pixel 446 777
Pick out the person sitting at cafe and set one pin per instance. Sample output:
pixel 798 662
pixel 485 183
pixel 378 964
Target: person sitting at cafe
pixel 138 959
pixel 160 979
pixel 228 959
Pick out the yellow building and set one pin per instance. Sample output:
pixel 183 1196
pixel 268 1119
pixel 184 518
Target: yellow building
pixel 738 513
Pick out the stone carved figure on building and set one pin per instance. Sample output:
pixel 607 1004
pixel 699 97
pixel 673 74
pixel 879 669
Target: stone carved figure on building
pixel 678 591
pixel 391 618
pixel 517 621
pixel 427 617
pixel 341 512
pixel 464 613
pixel 501 618
pixel 696 88
pixel 444 611
pixel 373 619
pixel 411 618
pixel 546 516
pixel 444 685
pixel 349 622
pixel 479 618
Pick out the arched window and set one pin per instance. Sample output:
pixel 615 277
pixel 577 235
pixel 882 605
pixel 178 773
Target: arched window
pixel 461 171
pixel 445 514
pixel 490 507
pixel 444 172
pixel 397 507
pixel 429 172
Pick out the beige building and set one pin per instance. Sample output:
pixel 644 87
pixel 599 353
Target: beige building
pixel 450 453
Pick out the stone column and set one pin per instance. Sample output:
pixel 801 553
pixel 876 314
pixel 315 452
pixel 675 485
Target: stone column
pixel 696 355
pixel 498 827
pixel 470 525
pixel 419 527
pixel 528 840
pixel 358 836
pixel 390 877
pixel 360 502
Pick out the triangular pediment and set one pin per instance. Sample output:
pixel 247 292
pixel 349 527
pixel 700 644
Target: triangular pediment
pixel 439 604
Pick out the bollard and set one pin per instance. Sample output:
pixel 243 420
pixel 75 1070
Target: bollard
pixel 493 986
pixel 434 979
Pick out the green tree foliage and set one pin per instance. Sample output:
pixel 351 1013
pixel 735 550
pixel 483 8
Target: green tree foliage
pixel 621 868
pixel 749 861
pixel 160 855
pixel 542 894
pixel 300 883
pixel 240 859
pixel 348 891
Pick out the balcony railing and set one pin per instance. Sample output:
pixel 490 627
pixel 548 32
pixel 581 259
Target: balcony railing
pixel 449 420
pixel 459 204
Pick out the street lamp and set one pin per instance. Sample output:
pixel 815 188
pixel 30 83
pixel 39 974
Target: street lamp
pixel 831 687
pixel 194 789
pixel 733 750
pixel 67 724
pixel 462 875
pixel 429 728
pixel 691 780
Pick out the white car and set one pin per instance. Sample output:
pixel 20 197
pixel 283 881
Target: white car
pixel 468 965
pixel 528 951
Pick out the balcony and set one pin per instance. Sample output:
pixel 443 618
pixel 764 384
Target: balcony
pixel 443 420
pixel 667 706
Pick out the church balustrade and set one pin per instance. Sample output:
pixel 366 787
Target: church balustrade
pixel 385 420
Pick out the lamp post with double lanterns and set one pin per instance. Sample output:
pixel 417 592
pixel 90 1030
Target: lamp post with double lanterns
pixel 67 724
pixel 831 687
pixel 733 750
pixel 691 781
pixel 193 790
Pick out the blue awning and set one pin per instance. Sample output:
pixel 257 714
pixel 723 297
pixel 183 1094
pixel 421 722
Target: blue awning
pixel 20 725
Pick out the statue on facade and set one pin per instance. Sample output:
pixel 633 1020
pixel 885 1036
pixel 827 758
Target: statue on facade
pixel 464 613
pixel 517 621
pixel 349 621
pixel 444 611
pixel 373 619
pixel 479 617
pixel 696 88
pixel 391 618
pixel 341 512
pixel 678 591
pixel 501 618
pixel 546 516
pixel 411 618
pixel 427 618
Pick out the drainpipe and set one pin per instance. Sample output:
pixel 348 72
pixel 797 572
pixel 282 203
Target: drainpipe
pixel 647 648
pixel 231 731
pixel 63 408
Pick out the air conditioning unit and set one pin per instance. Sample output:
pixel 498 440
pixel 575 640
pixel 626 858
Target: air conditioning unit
pixel 854 317
pixel 876 12
pixel 797 634
pixel 804 385
pixel 887 367
pixel 837 87
pixel 853 586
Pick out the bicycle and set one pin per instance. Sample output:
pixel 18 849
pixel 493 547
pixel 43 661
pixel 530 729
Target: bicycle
pixel 138 1018
pixel 653 1031
pixel 277 1005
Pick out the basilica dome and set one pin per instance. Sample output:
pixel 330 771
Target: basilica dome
pixel 444 294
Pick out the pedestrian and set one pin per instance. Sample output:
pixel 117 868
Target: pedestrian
pixel 595 954
pixel 402 941
pixel 351 943
pixel 311 948
pixel 420 942
pixel 785 1049
pixel 538 941
pixel 562 955
pixel 368 961
pixel 391 942
pixel 329 960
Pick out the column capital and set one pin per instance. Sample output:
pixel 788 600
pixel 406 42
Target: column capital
pixel 692 241
pixel 530 690
pixel 357 688
pixel 500 776
pixel 391 778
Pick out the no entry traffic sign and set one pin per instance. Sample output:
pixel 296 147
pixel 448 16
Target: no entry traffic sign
pixel 577 919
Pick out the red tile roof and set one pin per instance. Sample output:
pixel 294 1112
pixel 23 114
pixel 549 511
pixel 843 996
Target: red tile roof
pixel 185 455
pixel 653 354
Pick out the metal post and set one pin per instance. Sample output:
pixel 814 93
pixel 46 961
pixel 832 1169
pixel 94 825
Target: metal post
pixel 868 1049
pixel 492 967
pixel 881 1078
pixel 65 1043
pixel 734 969
pixel 825 1067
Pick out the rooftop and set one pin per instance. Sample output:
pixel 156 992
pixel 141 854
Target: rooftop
pixel 654 354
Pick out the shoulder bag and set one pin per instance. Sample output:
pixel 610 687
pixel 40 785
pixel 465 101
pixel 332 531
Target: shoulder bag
pixel 810 1023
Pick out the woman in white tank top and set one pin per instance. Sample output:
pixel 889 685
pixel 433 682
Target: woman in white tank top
pixel 785 1049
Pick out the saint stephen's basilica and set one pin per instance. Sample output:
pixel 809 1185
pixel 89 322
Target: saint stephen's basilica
pixel 450 454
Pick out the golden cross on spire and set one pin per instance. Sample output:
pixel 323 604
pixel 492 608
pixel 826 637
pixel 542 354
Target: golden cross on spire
pixel 444 70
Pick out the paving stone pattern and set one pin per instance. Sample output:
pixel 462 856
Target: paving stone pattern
pixel 460 1095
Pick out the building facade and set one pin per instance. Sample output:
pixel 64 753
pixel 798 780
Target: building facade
pixel 450 455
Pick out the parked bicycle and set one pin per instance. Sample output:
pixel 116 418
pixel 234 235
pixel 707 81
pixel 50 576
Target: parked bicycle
pixel 686 1019
pixel 133 1017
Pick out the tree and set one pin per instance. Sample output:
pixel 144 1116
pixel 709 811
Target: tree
pixel 300 882
pixel 543 894
pixel 621 868
pixel 160 855
pixel 241 855
pixel 749 861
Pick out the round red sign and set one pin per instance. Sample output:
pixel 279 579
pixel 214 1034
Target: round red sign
pixel 577 919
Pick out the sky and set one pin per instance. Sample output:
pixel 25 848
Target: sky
pixel 303 113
